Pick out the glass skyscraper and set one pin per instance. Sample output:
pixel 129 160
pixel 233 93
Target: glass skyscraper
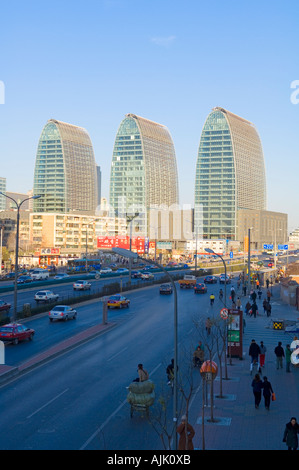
pixel 65 170
pixel 143 169
pixel 230 174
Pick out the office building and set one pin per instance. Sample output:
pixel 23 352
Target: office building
pixel 65 171
pixel 2 190
pixel 144 169
pixel 230 174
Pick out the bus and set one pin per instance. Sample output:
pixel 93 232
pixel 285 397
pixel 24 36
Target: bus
pixel 79 265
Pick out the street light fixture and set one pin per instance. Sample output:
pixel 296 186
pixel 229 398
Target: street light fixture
pixel 130 219
pixel 131 255
pixel 18 206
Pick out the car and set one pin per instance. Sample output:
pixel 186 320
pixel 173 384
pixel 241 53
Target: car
pixel 61 276
pixel 62 312
pixel 24 279
pixel 10 276
pixel 165 289
pixel 210 280
pixel 45 296
pixel 81 285
pixel 105 270
pixel 270 265
pixel 122 271
pixel 118 301
pixel 200 288
pixel 222 279
pixel 39 274
pixel 136 275
pixel 96 274
pixel 146 276
pixel 15 332
pixel 4 306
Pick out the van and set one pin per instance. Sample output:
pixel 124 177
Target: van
pixel 39 274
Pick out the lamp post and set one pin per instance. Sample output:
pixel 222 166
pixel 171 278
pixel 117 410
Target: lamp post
pixel 131 255
pixel 18 206
pixel 209 250
pixel 130 219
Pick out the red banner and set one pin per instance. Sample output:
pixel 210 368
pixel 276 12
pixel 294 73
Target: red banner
pixel 121 242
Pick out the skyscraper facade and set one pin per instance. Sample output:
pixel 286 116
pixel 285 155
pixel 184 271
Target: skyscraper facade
pixel 2 190
pixel 144 168
pixel 230 174
pixel 65 170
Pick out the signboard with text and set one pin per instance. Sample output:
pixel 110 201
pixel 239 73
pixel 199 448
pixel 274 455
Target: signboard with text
pixel 139 244
pixel 235 333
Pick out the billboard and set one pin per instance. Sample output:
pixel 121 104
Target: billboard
pixel 139 244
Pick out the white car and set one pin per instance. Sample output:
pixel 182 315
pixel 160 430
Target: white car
pixel 105 270
pixel 39 274
pixel 61 276
pixel 81 285
pixel 62 312
pixel 147 276
pixel 45 296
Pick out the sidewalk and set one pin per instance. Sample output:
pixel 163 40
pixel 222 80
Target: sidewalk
pixel 239 425
pixel 8 372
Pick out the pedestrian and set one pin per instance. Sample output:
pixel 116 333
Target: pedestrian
pixel 238 303
pixel 142 374
pixel 259 293
pixel 208 325
pixel 268 295
pixel 247 308
pixel 186 432
pixel 253 296
pixel 263 350
pixel 267 283
pixel 254 352
pixel 232 293
pixel 267 392
pixel 254 309
pixel 290 436
pixel 244 290
pixel 265 303
pixel 279 353
pixel 288 353
pixel 257 386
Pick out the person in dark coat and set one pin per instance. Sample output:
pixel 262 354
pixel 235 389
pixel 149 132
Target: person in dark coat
pixel 185 443
pixel 254 352
pixel 254 309
pixel 257 386
pixel 290 436
pixel 267 392
pixel 279 353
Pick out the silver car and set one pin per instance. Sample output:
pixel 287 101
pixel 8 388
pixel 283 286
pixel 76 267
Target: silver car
pixel 62 312
pixel 46 296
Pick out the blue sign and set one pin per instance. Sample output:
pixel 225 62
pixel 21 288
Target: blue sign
pixel 231 255
pixel 283 247
pixel 268 247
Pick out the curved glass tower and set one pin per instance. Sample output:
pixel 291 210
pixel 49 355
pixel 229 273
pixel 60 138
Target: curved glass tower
pixel 143 169
pixel 230 173
pixel 65 170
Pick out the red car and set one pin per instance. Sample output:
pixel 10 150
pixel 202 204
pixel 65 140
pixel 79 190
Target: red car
pixel 4 307
pixel 15 332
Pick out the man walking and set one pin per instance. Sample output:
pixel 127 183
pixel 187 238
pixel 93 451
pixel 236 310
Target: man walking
pixel 279 353
pixel 263 350
pixel 254 352
pixel 288 353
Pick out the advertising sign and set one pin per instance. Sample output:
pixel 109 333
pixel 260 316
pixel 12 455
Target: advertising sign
pixel 139 244
pixel 235 333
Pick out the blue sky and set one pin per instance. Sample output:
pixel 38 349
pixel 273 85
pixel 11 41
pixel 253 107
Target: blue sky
pixel 90 63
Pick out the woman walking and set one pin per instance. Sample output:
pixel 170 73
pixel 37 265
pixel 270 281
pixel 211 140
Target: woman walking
pixel 290 436
pixel 267 392
pixel 185 441
pixel 257 386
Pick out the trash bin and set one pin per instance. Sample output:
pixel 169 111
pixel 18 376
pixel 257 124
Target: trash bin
pixel 27 310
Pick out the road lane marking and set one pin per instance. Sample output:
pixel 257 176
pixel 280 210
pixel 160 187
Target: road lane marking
pixel 46 404
pixel 115 355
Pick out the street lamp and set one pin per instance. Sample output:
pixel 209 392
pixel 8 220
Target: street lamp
pixel 131 255
pixel 130 219
pixel 18 205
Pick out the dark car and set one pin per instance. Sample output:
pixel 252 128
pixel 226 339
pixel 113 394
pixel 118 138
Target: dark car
pixel 200 288
pixel 4 306
pixel 15 332
pixel 24 279
pixel 210 280
pixel 136 275
pixel 166 289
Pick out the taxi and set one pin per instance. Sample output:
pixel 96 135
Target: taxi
pixel 118 301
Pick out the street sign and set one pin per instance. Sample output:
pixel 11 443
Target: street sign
pixel 231 255
pixel 283 247
pixel 224 313
pixel 268 247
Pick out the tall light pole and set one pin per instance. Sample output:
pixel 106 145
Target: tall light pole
pixel 18 206
pixel 130 219
pixel 1 239
pixel 131 255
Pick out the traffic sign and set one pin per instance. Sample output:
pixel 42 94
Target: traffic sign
pixel 268 247
pixel 224 313
pixel 283 247
pixel 231 255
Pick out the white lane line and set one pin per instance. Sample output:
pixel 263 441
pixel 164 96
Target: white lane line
pixel 97 431
pixel 46 404
pixel 115 355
